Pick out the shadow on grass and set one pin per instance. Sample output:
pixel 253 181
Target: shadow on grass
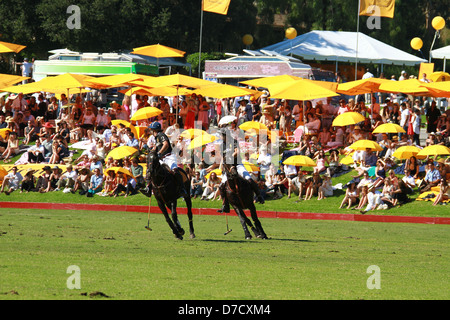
pixel 256 240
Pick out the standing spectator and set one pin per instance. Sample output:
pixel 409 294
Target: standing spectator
pixel 432 114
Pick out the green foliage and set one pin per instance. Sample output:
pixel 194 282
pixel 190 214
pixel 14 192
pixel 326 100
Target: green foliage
pixel 193 60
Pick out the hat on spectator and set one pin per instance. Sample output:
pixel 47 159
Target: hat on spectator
pixel 48 125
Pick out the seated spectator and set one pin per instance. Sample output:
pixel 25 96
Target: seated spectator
pixel 11 181
pixel 68 179
pixel 372 199
pixel 196 185
pixel 30 133
pixel 399 194
pixel 409 181
pixel 82 182
pixel 351 195
pixel 298 185
pixel 96 183
pixel 36 153
pixel 444 192
pixel 125 184
pixel 314 186
pixel 43 179
pixel 138 173
pixel 432 178
pixel 12 148
pixel 110 184
pixel 321 161
pixel 281 186
pixel 326 189
pixel 211 188
pixel 28 182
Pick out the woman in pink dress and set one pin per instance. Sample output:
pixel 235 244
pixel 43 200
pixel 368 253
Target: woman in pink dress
pixel 203 109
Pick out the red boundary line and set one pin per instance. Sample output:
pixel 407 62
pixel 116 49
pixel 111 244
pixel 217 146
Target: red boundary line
pixel 199 211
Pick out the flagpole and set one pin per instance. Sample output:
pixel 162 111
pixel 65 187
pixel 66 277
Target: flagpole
pixel 357 41
pixel 200 43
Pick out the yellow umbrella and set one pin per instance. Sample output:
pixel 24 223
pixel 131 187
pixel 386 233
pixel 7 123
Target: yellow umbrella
pixel 438 89
pixel 127 124
pixel 300 161
pixel 192 133
pixel 406 152
pixel 146 113
pixel 253 125
pixel 6 47
pixel 435 150
pixel 366 144
pixel 363 86
pixel 389 128
pixel 201 141
pixel 159 51
pixel 347 119
pixel 300 90
pixel 439 76
pixel 117 170
pixel 122 152
pixel 119 80
pixel 7 80
pixel 267 82
pixel 220 91
pixel 410 86
pixel 4 132
pixel 3 172
pixel 250 167
pixel 218 172
pixel 347 160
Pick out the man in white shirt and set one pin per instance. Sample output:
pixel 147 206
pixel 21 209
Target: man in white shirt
pixel 36 153
pixel 68 179
pixel 409 181
pixel 26 68
pixel 373 199
pixel 12 180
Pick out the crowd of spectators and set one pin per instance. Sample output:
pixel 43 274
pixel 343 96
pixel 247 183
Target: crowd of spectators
pixel 43 128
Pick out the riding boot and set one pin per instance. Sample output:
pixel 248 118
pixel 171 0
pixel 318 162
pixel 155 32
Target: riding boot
pixel 225 203
pixel 147 191
pixel 257 191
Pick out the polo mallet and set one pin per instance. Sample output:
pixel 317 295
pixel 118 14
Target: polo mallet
pixel 228 229
pixel 148 218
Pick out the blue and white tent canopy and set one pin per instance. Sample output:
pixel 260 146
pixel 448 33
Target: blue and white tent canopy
pixel 340 46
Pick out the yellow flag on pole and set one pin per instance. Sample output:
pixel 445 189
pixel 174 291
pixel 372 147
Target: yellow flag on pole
pixel 377 8
pixel 216 6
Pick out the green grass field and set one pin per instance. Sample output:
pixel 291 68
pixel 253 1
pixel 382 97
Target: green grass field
pixel 302 260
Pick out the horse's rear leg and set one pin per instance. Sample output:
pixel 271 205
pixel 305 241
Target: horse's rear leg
pixel 163 209
pixel 243 220
pixel 259 229
pixel 188 201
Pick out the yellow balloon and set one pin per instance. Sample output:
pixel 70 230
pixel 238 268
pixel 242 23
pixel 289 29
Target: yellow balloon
pixel 291 33
pixel 416 43
pixel 247 39
pixel 438 23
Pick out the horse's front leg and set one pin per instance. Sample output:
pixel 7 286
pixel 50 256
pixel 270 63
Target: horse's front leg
pixel 175 218
pixel 169 221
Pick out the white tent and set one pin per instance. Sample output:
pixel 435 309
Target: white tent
pixel 340 46
pixel 441 53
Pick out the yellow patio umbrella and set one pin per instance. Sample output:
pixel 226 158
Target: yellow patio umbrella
pixel 218 172
pixel 435 150
pixel 439 76
pixel 146 113
pixel 353 88
pixel 4 132
pixel 7 80
pixel 299 90
pixel 410 86
pixel 193 133
pixel 119 80
pixel 406 152
pixel 117 170
pixel 347 160
pixel 300 161
pixel 6 47
pixel 438 89
pixel 127 124
pixel 389 128
pixel 23 88
pixel 347 119
pixel 267 82
pixel 250 167
pixel 3 172
pixel 201 141
pixel 366 144
pixel 122 152
pixel 221 91
pixel 253 125
pixel 159 51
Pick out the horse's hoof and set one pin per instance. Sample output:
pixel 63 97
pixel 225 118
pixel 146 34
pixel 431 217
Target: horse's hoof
pixel 182 232
pixel 192 236
pixel 179 237
pixel 248 238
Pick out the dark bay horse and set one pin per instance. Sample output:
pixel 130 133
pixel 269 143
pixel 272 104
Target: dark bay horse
pixel 167 190
pixel 240 195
